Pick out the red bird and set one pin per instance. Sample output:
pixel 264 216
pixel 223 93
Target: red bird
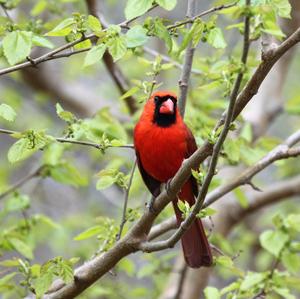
pixel 162 141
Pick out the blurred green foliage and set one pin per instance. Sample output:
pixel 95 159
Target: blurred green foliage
pixel 33 240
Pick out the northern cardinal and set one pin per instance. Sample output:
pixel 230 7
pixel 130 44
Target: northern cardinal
pixel 162 141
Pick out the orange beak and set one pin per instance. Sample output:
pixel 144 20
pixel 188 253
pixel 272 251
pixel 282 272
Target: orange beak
pixel 167 107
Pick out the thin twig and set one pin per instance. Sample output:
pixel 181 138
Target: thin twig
pixel 22 181
pixel 126 202
pixel 52 54
pixel 182 273
pixel 202 14
pixel 168 59
pixel 71 141
pixel 6 12
pixel 187 65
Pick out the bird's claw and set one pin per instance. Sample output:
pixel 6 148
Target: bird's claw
pixel 168 187
pixel 150 205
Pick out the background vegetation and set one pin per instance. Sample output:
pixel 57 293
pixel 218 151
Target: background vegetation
pixel 75 75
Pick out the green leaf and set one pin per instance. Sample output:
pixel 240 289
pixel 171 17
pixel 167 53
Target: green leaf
pixel 6 278
pixel 282 7
pixel 216 39
pixel 92 231
pixel 167 4
pixel 206 212
pixel 117 47
pixel 94 24
pixel 17 203
pixel 66 271
pixel 284 292
pixel 68 174
pixel 252 279
pixel 133 90
pixel 53 153
pixel 42 42
pixel 7 112
pixel 293 221
pixel 105 181
pixel 17 46
pixel 181 206
pixel 291 261
pixel 241 197
pixel 135 8
pixel 224 261
pixel 39 7
pixel 27 145
pixel 21 247
pixel 232 150
pixel 63 114
pixel 63 28
pixel 42 283
pixel 136 36
pixel 212 293
pixel 162 32
pixel 273 241
pixel 9 263
pixel 128 266
pixel 94 55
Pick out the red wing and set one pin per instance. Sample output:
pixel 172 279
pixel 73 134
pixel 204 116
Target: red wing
pixel 191 148
pixel 152 184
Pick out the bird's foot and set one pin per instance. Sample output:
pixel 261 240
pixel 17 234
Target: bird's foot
pixel 150 205
pixel 168 187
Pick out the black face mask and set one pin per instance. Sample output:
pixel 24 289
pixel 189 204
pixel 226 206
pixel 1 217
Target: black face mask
pixel 163 119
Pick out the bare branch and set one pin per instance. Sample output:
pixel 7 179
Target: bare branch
pixel 113 69
pixel 273 194
pixel 21 182
pixel 161 228
pixel 180 284
pixel 187 65
pixel 168 59
pixel 125 202
pixel 279 153
pixel 202 14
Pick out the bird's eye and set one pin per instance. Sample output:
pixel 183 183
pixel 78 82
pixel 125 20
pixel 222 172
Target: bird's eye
pixel 156 99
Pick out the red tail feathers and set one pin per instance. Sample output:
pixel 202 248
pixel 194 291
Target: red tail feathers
pixel 195 245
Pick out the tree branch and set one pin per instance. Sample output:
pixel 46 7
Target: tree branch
pixel 113 69
pixel 202 14
pixel 187 65
pixel 22 181
pixel 71 141
pixel 123 221
pixel 54 53
pixel 168 59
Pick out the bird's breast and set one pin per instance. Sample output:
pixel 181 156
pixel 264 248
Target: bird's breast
pixel 161 150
